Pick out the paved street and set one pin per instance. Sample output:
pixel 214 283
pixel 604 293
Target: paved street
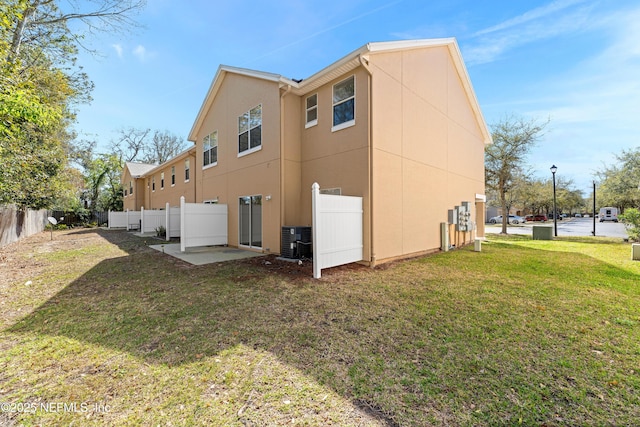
pixel 567 227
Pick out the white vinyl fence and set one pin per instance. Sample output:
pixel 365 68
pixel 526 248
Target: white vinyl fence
pixel 152 220
pixel 172 221
pixel 148 220
pixel 202 224
pixel 128 219
pixel 337 230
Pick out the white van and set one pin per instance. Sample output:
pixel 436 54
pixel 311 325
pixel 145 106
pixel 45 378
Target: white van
pixel 608 214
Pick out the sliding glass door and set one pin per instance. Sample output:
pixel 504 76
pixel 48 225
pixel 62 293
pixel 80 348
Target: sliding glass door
pixel 250 221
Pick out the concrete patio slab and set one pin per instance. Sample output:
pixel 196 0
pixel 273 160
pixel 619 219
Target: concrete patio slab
pixel 206 254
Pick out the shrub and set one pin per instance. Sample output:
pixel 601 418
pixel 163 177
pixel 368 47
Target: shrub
pixel 631 220
pixel 161 231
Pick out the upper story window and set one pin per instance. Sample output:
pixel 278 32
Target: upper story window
pixel 250 131
pixel 162 180
pixel 210 149
pixel 153 183
pixel 186 170
pixel 130 187
pixel 173 176
pixel 312 111
pixel 344 104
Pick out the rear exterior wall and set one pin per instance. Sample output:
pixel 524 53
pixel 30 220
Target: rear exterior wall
pixel 428 150
pixel 235 175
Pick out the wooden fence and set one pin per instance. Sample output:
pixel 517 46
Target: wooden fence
pixel 16 224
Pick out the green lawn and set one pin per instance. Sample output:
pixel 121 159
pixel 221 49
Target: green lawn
pixel 524 332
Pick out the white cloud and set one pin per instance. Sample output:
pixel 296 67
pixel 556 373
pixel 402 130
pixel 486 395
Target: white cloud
pixel 491 43
pixel 118 49
pixel 594 103
pixel 532 15
pixel 140 52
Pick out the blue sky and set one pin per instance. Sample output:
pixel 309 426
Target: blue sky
pixel 576 62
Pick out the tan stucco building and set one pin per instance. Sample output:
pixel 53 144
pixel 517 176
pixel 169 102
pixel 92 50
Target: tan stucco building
pixel 153 186
pixel 397 123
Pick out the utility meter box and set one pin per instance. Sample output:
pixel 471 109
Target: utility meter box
pixel 453 216
pixel 464 217
pixel 542 232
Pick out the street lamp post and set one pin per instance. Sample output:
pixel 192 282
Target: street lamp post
pixel 594 208
pixel 555 211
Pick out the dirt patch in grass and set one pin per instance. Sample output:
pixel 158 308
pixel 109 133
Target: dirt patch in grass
pixel 300 269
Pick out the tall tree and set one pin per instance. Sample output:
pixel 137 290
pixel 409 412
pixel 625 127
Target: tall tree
pixel 39 22
pixel 163 146
pixel 513 138
pixel 39 86
pixel 140 145
pixel 131 144
pixel 620 182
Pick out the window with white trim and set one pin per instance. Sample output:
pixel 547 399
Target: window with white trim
pixel 186 170
pixel 130 187
pixel 250 131
pixel 344 104
pixel 173 176
pixel 162 180
pixel 312 110
pixel 153 183
pixel 210 149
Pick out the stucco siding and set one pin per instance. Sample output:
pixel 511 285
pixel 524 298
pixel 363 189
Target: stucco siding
pixel 171 194
pixel 338 159
pixel 252 174
pixel 292 158
pixel 429 162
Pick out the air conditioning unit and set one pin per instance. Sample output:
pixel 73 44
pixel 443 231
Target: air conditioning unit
pixel 296 242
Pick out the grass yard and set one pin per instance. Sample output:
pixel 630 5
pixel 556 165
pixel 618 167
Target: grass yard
pixel 98 329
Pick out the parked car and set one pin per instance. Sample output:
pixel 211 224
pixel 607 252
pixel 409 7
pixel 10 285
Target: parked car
pixel 560 216
pixel 537 217
pixel 578 215
pixel 513 219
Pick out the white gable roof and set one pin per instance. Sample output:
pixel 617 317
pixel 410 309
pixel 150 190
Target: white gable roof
pixel 138 169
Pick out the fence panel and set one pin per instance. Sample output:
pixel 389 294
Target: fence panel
pixel 202 224
pixel 118 219
pixel 337 230
pixel 173 228
pixel 152 219
pixel 16 224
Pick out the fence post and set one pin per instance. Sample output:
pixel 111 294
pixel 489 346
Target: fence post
pixel 183 233
pixel 315 192
pixel 109 220
pixel 127 219
pixel 141 219
pixel 167 222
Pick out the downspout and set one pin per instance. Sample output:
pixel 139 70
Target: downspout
pixel 282 162
pixel 195 178
pixel 365 64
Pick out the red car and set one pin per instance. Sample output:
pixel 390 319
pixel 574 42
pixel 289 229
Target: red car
pixel 537 217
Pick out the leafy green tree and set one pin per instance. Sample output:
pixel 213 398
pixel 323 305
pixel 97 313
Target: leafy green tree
pixel 39 86
pixel 620 183
pixel 513 138
pixel 103 188
pixel 631 220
